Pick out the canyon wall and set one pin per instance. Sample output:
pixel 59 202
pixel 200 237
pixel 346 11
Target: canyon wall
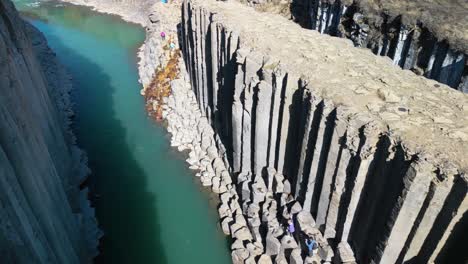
pixel 45 217
pixel 368 159
pixel 427 37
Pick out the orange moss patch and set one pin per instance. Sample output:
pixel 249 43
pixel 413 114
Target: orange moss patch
pixel 160 86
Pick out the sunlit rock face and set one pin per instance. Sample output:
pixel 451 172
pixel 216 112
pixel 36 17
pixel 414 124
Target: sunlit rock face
pixel 44 216
pixel 316 132
pixel 426 37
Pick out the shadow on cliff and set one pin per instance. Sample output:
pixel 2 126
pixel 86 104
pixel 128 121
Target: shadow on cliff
pixel 126 211
pixel 299 12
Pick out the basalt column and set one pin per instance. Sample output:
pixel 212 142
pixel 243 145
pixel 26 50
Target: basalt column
pixel 299 147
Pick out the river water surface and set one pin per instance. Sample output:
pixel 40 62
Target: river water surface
pixel 147 202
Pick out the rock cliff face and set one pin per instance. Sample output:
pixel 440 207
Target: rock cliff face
pixel 367 158
pixel 44 216
pixel 426 36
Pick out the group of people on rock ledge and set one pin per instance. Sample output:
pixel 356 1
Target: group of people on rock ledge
pixel 311 243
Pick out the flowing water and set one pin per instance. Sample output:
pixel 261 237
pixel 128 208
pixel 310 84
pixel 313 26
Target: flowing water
pixel 148 204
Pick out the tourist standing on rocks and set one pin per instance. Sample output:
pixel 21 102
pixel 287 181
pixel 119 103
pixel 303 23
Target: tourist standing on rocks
pixel 311 245
pixel 163 35
pixel 291 228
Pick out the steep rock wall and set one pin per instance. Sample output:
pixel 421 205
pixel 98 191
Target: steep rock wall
pixel 44 216
pixel 425 36
pixel 365 157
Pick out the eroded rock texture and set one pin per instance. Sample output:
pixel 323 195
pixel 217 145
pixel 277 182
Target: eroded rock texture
pixel 44 216
pixel 367 158
pixel 428 37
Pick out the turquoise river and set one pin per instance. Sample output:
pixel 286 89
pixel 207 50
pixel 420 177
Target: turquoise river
pixel 148 204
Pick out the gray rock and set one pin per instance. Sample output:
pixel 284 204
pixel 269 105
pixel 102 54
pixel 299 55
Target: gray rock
pixel 288 242
pixel 273 245
pixel 296 208
pixel 225 225
pixel 238 244
pixel 296 257
pixel 306 222
pixel 250 260
pixel 224 211
pixel 245 192
pixel 239 255
pixel 281 259
pixel 243 234
pixel 345 253
pixel 325 253
pixel 254 250
pixel 264 259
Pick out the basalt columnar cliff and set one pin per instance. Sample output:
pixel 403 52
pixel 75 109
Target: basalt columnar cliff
pixel 348 145
pixel 44 216
pixel 428 37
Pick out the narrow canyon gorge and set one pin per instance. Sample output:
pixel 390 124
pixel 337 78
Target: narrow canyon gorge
pixel 341 122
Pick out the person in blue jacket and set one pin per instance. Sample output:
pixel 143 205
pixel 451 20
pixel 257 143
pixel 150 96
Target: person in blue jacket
pixel 311 245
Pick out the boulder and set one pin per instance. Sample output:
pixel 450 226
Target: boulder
pixel 215 182
pixel 296 257
pixel 288 242
pixel 212 152
pixel 296 208
pixel 239 255
pixel 224 211
pixel 237 244
pixel 325 253
pixel 306 222
pixel 245 192
pixel 259 190
pixel 243 234
pixel 240 219
pixel 264 259
pixel 253 249
pixel 269 177
pixel 286 187
pixel 281 259
pixel 250 260
pixel 273 245
pixel 225 225
pixel 278 186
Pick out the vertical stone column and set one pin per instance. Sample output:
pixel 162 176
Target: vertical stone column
pixel 440 192
pixel 214 29
pixel 401 42
pixel 279 77
pixel 262 122
pixel 461 190
pixel 205 24
pixel 327 109
pixel 369 144
pixel 309 116
pixel 290 88
pixel 417 181
pixel 332 170
pixel 238 112
pixel 251 81
pixel 331 224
